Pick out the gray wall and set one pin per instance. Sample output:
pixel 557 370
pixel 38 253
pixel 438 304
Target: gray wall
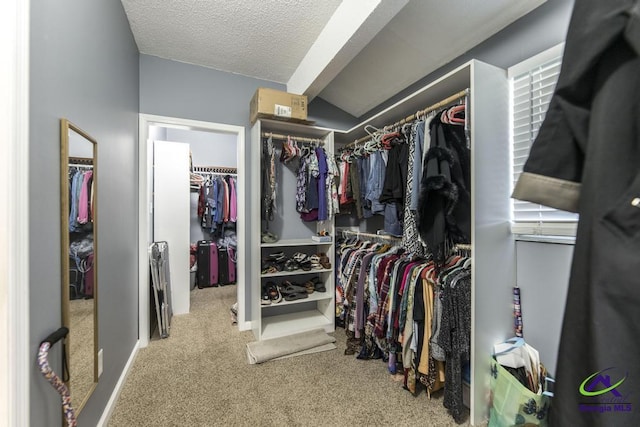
pixel 84 67
pixel 330 116
pixel 542 271
pixel 207 148
pixel 175 89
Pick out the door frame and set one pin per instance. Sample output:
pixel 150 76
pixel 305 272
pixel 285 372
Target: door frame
pixel 145 207
pixel 16 358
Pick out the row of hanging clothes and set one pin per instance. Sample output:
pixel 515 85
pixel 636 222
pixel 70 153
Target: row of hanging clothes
pixel 81 215
pixel 316 177
pixel 81 199
pixel 403 308
pixel 416 174
pixel 217 200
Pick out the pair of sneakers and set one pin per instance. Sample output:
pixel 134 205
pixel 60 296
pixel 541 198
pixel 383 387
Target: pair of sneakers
pixel 270 294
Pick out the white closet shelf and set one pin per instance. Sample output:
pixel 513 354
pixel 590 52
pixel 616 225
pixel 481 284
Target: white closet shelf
pixel 294 242
pixel 296 272
pixel 318 309
pixel 286 324
pixel 316 296
pixel 287 128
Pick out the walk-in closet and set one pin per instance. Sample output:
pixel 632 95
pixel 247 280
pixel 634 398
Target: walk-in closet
pixel 319 213
pixel 463 171
pixel 195 206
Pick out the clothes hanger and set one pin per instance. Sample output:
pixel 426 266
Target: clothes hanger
pixel 443 117
pixel 370 146
pixel 387 140
pixel 406 130
pixel 453 112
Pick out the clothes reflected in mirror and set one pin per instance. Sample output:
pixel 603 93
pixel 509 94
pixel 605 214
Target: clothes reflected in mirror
pixel 79 260
pixel 81 214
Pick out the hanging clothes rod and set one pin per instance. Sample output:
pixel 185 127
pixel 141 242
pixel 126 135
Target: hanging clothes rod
pixel 295 138
pixel 412 117
pixel 81 160
pixel 216 169
pixel 372 235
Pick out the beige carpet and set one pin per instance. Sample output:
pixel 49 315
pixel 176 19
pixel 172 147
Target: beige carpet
pixel 81 357
pixel 200 376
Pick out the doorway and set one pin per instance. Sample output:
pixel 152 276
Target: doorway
pixel 145 207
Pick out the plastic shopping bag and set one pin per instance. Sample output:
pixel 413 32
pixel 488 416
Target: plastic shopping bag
pixel 512 403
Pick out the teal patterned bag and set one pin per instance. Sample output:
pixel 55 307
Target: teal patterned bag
pixel 513 404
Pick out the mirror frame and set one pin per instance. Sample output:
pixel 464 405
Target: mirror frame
pixel 65 127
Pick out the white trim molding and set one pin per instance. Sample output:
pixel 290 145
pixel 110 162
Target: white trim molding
pixel 113 400
pixel 145 207
pixel 16 359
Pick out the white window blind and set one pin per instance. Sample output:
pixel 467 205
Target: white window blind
pixel 532 87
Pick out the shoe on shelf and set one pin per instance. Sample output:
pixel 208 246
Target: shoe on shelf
pixel 305 265
pixel 295 296
pixel 268 237
pixel 315 262
pixel 291 265
pixel 287 288
pixel 270 267
pixel 324 260
pixel 318 284
pixel 299 257
pixel 277 256
pixel 265 299
pixel 273 292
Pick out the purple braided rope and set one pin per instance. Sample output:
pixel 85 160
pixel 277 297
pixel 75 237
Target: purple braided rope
pixel 57 383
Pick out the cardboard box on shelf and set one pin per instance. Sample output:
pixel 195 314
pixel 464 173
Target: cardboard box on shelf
pixel 273 103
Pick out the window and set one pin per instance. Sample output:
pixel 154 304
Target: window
pixel 532 85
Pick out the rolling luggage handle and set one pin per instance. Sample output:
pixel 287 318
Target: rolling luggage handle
pixel 52 377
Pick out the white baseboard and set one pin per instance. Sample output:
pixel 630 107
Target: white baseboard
pixel 245 326
pixel 111 404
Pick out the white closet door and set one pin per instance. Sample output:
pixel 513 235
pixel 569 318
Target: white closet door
pixel 171 214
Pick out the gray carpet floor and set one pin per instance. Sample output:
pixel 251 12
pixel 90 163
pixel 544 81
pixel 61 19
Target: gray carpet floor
pixel 200 376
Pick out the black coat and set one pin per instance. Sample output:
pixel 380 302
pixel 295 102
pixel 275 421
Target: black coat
pixel 586 159
pixel 444 202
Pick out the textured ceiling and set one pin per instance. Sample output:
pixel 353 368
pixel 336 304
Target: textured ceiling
pixel 388 49
pixel 265 39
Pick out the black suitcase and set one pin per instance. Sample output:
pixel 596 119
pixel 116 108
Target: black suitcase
pixel 223 266
pixel 214 262
pixel 203 276
pixel 232 265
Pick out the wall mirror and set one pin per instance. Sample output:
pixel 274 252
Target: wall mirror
pixel 78 189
